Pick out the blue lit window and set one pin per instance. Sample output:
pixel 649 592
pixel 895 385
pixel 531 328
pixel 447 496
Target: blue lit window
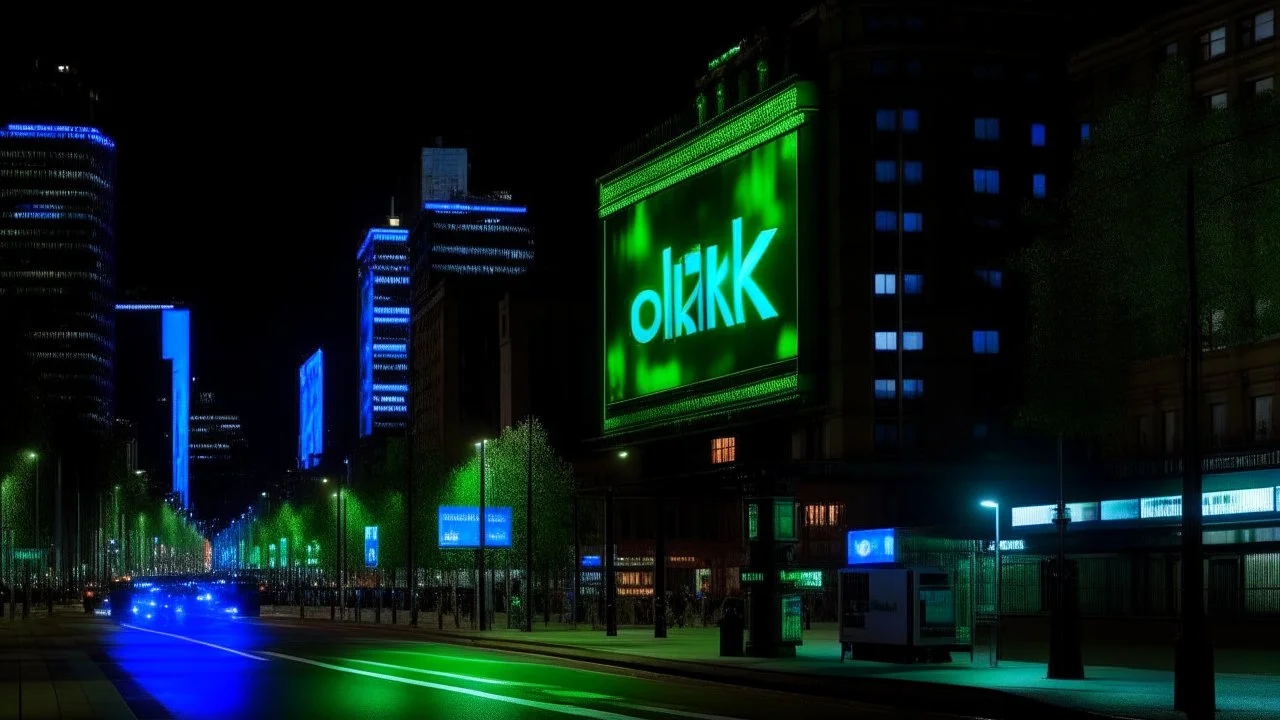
pixel 986 342
pixel 993 278
pixel 912 388
pixel 1038 185
pixel 986 181
pixel 1037 134
pixel 910 121
pixel 886 221
pixel 912 222
pixel 913 283
pixel 913 172
pixel 886 389
pixel 886 120
pixel 886 171
pixel 886 340
pixel 913 340
pixel 886 284
pixel 1085 131
pixel 986 128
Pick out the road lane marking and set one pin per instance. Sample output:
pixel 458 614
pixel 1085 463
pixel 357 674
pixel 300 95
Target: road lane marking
pixel 197 642
pixel 455 676
pixel 535 704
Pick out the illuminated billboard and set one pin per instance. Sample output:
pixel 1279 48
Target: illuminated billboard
pixel 865 547
pixel 701 301
pixel 459 526
pixel 311 411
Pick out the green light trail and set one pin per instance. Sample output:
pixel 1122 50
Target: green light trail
pixel 441 673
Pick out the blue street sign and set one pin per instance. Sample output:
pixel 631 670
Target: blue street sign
pixel 871 546
pixel 459 526
pixel 371 546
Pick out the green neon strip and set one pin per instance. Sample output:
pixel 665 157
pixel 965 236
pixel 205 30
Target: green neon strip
pixel 756 394
pixel 776 116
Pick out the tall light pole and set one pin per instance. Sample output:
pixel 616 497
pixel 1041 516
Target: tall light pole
pixel 34 457
pixel 528 528
pixel 480 609
pixel 995 646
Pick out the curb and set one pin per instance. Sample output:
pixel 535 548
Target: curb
pixel 910 695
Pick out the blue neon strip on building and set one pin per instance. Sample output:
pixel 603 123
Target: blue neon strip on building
pixel 58 132
pixel 138 307
pixel 176 347
pixel 468 208
pixel 311 411
pixel 366 356
pixel 392 235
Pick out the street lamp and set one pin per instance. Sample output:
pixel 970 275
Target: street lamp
pixel 995 646
pixel 480 584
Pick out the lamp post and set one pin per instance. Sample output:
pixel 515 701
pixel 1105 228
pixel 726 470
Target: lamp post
pixel 480 609
pixel 995 646
pixel 528 530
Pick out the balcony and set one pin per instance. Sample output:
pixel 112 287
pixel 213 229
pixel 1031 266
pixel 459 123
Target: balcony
pixel 1221 455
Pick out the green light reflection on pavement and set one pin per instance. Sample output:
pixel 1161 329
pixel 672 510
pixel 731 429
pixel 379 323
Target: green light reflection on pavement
pixel 534 704
pixel 441 673
pixel 581 695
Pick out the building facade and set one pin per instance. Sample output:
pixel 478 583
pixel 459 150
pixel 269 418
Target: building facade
pixel 466 255
pixel 383 332
pixel 219 457
pixel 57 265
pixel 809 289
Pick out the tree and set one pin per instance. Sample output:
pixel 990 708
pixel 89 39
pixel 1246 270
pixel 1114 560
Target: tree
pixel 1107 271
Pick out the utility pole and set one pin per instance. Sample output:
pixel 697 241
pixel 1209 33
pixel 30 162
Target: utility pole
pixel 528 528
pixel 480 584
pixel 1193 681
pixel 1065 662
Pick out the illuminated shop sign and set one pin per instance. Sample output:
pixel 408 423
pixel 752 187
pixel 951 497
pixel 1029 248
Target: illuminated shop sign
pixel 459 527
pixel 1213 504
pixel 871 546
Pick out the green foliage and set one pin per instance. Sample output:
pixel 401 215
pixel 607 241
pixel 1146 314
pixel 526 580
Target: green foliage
pixel 1107 272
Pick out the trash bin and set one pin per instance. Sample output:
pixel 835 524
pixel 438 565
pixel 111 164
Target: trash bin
pixel 731 632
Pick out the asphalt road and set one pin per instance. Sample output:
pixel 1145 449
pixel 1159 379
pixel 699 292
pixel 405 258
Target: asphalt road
pixel 248 669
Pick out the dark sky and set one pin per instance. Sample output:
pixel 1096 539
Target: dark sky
pixel 253 152
pixel 250 164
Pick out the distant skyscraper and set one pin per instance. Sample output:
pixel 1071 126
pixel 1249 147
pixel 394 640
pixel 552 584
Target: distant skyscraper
pixel 444 174
pixel 155 378
pixel 311 411
pixel 57 247
pixel 383 282
pixel 218 456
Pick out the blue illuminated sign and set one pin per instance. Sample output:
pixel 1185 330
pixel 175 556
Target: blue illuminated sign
pixel 176 347
pixel 371 546
pixel 459 526
pixel 311 411
pixel 590 561
pixel 468 208
pixel 138 307
pixel 871 546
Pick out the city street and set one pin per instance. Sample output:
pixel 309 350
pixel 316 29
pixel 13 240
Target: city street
pixel 249 669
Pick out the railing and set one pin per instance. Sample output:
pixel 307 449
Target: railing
pixel 1261 454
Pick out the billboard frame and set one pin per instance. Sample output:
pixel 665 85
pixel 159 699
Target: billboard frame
pixel 787 109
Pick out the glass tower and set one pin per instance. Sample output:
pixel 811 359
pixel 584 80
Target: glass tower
pixel 383 283
pixel 57 265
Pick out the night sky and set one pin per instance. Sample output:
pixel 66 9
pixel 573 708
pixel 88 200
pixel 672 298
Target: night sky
pixel 253 153
pixel 249 167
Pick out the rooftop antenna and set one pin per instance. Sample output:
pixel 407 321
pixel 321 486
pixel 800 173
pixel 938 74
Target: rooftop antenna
pixel 393 220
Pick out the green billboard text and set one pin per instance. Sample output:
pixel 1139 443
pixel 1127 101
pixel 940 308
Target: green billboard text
pixel 700 278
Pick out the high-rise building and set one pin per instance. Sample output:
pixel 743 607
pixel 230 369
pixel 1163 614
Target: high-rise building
pixel 808 286
pixel 154 375
pixel 383 332
pixel 57 247
pixel 465 257
pixel 444 174
pixel 311 411
pixel 219 462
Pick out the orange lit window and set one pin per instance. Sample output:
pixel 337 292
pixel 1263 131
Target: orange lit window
pixel 829 515
pixel 723 450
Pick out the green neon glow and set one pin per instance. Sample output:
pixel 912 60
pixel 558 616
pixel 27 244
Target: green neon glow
pixel 720 295
pixel 775 116
pixel 743 397
pixel 752 576
pixel 724 58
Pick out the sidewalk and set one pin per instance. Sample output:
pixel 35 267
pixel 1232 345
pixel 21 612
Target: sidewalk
pixel 970 688
pixel 46 671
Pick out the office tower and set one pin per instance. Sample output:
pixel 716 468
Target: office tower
pixel 57 248
pixel 444 173
pixel 383 332
pixel 220 474
pixel 155 379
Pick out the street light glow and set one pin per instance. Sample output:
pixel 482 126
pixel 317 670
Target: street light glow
pixel 990 504
pixel 32 455
pixel 623 454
